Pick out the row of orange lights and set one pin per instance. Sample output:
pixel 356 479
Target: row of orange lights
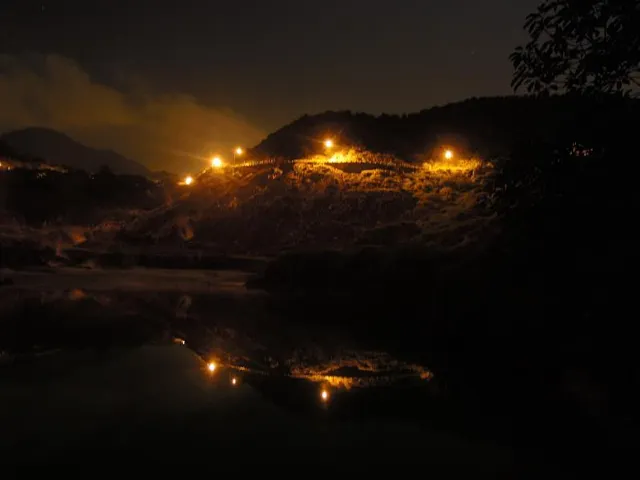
pixel 212 367
pixel 447 153
pixel 216 161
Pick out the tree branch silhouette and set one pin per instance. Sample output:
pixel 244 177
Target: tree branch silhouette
pixel 586 46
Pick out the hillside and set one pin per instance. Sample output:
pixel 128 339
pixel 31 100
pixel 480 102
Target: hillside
pixel 488 126
pixel 352 199
pixel 349 197
pixel 59 149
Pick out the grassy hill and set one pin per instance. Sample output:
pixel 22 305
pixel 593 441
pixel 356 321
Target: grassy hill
pixel 316 203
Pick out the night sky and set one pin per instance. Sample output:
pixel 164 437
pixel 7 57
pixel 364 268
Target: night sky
pixel 162 80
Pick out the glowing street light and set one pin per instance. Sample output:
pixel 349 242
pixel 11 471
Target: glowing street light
pixel 216 162
pixel 448 154
pixel 237 153
pixel 211 367
pixel 234 381
pixel 188 180
pixel 328 143
pixel 324 395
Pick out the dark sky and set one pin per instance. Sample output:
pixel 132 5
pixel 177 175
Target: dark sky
pixel 266 62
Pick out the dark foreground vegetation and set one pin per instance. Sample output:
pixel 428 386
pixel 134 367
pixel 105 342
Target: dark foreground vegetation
pixel 33 197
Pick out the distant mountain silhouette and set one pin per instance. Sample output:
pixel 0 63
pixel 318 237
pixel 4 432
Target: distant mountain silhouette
pixel 489 126
pixel 59 149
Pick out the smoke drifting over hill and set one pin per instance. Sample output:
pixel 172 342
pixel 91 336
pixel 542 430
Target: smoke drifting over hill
pixel 166 131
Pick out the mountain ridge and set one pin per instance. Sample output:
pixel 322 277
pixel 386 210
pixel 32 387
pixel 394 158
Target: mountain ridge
pixel 488 126
pixel 61 149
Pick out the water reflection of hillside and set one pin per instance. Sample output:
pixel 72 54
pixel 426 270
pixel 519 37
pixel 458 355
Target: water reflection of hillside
pixel 289 360
pixel 243 334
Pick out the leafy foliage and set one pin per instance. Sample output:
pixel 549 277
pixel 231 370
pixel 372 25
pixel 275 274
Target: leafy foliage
pixel 586 46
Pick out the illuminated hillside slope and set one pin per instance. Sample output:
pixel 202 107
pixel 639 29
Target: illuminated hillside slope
pixel 353 198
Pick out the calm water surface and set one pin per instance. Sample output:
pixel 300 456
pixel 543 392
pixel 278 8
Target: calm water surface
pixel 178 362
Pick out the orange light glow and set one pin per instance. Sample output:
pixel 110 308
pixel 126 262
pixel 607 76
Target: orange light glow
pixel 234 380
pixel 239 151
pixel 216 162
pixel 188 180
pixel 328 143
pixel 211 366
pixel 324 395
pixel 454 166
pixel 448 154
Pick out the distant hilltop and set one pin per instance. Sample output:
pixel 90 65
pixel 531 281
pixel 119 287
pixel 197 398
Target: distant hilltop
pixel 488 126
pixel 55 148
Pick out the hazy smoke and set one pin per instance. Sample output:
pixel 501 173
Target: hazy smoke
pixel 163 131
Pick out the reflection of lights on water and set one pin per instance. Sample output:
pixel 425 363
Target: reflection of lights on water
pixel 375 371
pixel 332 380
pixel 324 395
pixel 211 366
pixel 77 294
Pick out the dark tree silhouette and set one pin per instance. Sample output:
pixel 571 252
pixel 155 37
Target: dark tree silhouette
pixel 586 46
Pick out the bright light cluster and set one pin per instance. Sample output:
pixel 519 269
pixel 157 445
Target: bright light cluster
pixel 459 165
